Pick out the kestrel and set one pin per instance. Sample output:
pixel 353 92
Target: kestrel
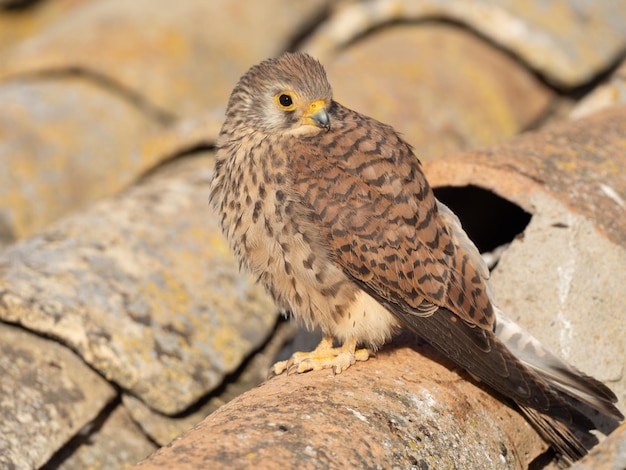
pixel 330 210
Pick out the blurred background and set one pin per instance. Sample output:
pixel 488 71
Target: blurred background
pixel 124 319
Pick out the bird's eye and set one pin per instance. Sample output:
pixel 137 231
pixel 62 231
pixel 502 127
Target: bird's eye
pixel 285 100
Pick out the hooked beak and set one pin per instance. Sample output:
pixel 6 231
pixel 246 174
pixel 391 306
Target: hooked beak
pixel 317 115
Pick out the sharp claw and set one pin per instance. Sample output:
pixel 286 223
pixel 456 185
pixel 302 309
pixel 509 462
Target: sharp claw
pixel 277 369
pixel 323 357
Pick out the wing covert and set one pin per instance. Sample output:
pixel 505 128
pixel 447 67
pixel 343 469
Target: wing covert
pixel 366 190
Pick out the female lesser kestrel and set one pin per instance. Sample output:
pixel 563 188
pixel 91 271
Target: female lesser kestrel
pixel 330 210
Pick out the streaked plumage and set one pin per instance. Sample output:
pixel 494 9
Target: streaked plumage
pixel 330 210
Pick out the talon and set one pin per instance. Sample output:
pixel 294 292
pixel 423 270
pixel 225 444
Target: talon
pixel 277 369
pixel 324 356
pixel 363 354
pixel 292 369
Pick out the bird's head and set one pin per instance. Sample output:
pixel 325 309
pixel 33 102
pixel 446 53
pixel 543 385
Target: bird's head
pixel 289 94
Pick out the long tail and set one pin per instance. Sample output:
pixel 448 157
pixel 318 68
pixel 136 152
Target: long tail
pixel 561 375
pixel 584 393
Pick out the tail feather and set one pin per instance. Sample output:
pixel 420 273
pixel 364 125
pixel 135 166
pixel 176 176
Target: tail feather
pixel 577 404
pixel 565 411
pixel 482 354
pixel 572 446
pixel 556 372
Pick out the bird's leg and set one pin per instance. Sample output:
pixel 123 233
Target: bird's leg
pixel 324 356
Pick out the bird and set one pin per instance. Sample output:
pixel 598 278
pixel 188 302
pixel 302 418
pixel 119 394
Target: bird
pixel 331 212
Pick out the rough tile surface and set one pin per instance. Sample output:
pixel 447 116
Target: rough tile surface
pixel 399 410
pixel 116 442
pixel 144 288
pixel 64 143
pixel 442 87
pixel 567 42
pixel 47 394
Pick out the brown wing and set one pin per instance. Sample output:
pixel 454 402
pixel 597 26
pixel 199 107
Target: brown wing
pixel 371 201
pixel 367 189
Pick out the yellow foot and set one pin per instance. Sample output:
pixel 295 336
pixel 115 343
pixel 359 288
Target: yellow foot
pixel 324 356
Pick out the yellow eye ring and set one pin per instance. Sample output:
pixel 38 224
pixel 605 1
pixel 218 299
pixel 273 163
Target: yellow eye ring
pixel 284 100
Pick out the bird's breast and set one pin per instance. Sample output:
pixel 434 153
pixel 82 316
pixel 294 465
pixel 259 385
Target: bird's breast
pixel 274 236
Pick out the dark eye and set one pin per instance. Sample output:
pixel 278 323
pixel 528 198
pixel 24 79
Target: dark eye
pixel 285 100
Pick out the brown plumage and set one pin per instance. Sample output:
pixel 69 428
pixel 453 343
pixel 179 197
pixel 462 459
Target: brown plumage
pixel 330 210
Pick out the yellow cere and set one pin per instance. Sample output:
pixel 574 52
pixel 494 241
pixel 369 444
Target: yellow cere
pixel 315 106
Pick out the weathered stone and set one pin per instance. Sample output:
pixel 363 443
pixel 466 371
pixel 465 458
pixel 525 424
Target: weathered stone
pixel 610 454
pixel 47 394
pixel 163 429
pixel 444 88
pixel 398 410
pixel 179 58
pixel 568 42
pixel 611 93
pixel 117 443
pixel 18 24
pixel 579 162
pixel 185 136
pixel 564 281
pixel 12 3
pixel 144 288
pixel 64 143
